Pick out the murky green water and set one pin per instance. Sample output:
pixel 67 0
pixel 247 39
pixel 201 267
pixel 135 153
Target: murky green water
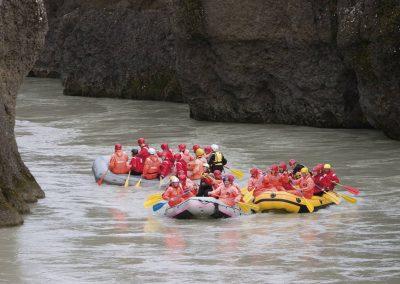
pixel 85 233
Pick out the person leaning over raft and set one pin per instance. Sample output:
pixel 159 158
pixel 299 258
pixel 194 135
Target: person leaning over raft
pixel 227 192
pixel 216 159
pixel 119 161
pixel 329 178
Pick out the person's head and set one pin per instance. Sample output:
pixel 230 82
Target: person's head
pixel 318 168
pixel 228 180
pixel 134 152
pixel 164 146
pixel 199 152
pixel 117 147
pixel 254 172
pixel 182 177
pixel 141 142
pixel 218 174
pixel 152 151
pixel 327 168
pixel 274 169
pixel 297 175
pixel 195 147
pixel 214 147
pixel 182 147
pixel 174 181
pixel 292 163
pixel 177 157
pixel 207 149
pixel 304 171
pixel 282 167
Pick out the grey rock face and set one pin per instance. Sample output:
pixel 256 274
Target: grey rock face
pixel 122 49
pixel 23 26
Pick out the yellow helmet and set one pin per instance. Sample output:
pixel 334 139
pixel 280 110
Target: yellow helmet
pixel 304 170
pixel 297 175
pixel 327 167
pixel 199 152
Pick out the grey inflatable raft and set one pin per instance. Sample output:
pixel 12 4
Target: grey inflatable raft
pixel 100 166
pixel 202 208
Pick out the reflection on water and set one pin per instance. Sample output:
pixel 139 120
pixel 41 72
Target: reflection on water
pixel 85 233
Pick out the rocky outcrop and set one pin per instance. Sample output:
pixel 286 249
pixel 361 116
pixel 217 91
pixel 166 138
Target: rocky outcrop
pixel 329 63
pixel 123 49
pixel 23 26
pixel 316 63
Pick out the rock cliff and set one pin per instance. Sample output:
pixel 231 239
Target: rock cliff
pixel 324 63
pixel 23 26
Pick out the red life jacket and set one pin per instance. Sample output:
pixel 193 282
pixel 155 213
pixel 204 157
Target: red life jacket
pixel 118 163
pixel 151 168
pixel 137 164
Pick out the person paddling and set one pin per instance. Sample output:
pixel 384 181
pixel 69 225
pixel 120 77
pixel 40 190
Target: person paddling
pixel 180 165
pixel 151 169
pixel 227 192
pixel 216 159
pixel 144 149
pixel 197 168
pixel 305 183
pixel 136 164
pixel 167 158
pixel 296 167
pixel 174 193
pixel 284 176
pixel 185 153
pixel 329 178
pixel 119 161
pixel 255 179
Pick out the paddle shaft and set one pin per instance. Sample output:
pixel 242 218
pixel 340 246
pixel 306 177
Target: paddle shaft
pixel 100 181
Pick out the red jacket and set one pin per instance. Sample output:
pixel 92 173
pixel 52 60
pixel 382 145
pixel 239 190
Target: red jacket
pixel 181 166
pixel 137 164
pixel 329 179
pixel 144 153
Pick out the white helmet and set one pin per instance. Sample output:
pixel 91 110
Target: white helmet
pixel 214 147
pixel 152 151
pixel 174 179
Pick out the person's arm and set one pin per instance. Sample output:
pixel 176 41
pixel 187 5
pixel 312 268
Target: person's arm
pixel 224 161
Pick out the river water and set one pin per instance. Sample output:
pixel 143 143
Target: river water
pixel 85 233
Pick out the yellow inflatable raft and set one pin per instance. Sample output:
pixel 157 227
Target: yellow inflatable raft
pixel 282 201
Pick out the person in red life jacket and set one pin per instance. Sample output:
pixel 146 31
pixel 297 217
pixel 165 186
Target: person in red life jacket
pixel 317 177
pixel 305 183
pixel 216 159
pixel 329 178
pixel 207 150
pixel 217 179
pixel 227 192
pixel 180 165
pixel 255 179
pixel 284 176
pixel 136 164
pixel 185 153
pixel 270 182
pixel 174 193
pixel 151 168
pixel 190 189
pixel 167 158
pixel 196 169
pixel 119 161
pixel 195 147
pixel 144 149
pixel 296 167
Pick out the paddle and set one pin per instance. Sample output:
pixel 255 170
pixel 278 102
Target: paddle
pixel 309 205
pixel 158 206
pixel 347 198
pixel 246 207
pixel 330 196
pixel 137 185
pixel 247 195
pixel 237 173
pixel 350 189
pixel 101 179
pixel 127 180
pixel 153 199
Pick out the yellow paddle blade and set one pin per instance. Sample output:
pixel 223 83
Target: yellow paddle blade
pixel 237 173
pixel 348 198
pixel 309 205
pixel 247 195
pixel 332 197
pixel 137 185
pixel 127 180
pixel 152 200
pixel 246 207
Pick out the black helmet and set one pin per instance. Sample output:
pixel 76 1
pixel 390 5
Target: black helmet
pixel 134 151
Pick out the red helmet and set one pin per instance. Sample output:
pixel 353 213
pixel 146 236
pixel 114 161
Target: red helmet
pixel 254 171
pixel 182 147
pixel 283 166
pixel 195 147
pixel 208 149
pixel 177 157
pixel 318 168
pixel 118 147
pixel 274 168
pixel 182 177
pixel 292 162
pixel 141 141
pixel 217 173
pixel 231 178
pixel 164 146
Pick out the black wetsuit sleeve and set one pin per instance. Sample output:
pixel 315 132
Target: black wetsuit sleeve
pixel 297 168
pixel 211 159
pixel 224 161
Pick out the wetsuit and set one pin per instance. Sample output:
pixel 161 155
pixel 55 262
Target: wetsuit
pixel 297 169
pixel 217 161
